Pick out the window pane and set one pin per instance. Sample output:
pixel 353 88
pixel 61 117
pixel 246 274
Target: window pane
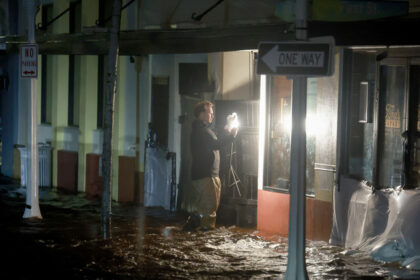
pixel 279 138
pixel 414 157
pixel 391 125
pixel 320 132
pixel 76 92
pixel 313 128
pixel 48 98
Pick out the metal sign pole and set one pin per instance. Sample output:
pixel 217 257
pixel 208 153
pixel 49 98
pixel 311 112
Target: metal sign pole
pixel 296 266
pixel 32 200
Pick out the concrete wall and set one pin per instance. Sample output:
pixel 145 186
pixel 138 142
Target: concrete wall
pixel 237 75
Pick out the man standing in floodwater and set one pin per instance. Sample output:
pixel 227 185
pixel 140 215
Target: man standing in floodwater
pixel 206 184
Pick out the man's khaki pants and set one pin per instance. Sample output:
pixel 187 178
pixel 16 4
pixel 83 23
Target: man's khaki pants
pixel 206 200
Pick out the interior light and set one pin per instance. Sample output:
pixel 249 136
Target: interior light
pixel 261 138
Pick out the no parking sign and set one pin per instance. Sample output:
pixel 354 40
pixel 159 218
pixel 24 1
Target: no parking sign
pixel 28 61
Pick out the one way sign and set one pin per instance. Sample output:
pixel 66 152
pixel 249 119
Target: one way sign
pixel 297 58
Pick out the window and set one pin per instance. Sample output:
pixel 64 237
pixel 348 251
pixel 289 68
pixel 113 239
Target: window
pixel 102 62
pixel 279 125
pixel 74 66
pixel 321 118
pixel 105 11
pixel 46 63
pixel 160 109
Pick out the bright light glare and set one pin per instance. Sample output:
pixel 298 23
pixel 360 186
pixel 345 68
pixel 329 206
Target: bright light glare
pixel 261 138
pixel 315 125
pixel 235 123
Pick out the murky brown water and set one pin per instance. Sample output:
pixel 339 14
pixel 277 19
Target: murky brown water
pixel 149 244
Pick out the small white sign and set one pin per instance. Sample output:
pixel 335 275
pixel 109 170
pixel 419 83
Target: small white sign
pixel 28 61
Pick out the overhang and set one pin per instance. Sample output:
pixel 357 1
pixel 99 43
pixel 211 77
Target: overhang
pixel 204 40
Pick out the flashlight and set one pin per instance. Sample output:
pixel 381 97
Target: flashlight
pixel 235 122
pixel 232 121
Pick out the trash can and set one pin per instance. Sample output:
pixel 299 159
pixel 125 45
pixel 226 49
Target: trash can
pixel 44 165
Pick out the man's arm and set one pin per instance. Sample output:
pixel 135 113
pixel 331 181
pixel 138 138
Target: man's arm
pixel 224 140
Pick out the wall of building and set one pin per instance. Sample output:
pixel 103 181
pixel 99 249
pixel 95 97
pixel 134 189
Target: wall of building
pixel 237 75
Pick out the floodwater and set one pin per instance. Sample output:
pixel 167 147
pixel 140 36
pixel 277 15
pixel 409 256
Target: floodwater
pixel 150 244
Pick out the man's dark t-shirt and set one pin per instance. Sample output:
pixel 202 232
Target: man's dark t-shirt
pixel 205 150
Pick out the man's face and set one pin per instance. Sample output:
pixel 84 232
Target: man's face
pixel 207 115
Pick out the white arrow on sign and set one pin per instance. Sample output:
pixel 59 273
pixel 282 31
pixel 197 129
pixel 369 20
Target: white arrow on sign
pixel 275 58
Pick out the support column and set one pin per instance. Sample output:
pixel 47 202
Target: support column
pixel 32 198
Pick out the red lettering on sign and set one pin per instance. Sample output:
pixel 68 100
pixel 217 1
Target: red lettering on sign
pixel 29 52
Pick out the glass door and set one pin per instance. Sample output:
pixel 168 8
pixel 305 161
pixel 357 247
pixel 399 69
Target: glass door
pixel 398 146
pixel 391 125
pixel 412 150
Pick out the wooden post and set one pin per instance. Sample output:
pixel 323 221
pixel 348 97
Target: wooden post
pixel 111 87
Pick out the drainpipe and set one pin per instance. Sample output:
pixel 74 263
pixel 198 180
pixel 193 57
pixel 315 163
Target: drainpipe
pixel 296 266
pixel 32 192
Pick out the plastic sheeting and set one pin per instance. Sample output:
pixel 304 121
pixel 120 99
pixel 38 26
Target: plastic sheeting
pixel 157 178
pixel 381 222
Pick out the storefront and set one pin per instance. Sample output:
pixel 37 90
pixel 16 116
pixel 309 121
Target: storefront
pixel 376 201
pixel 380 135
pixel 362 123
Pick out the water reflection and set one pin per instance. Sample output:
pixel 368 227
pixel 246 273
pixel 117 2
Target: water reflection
pixel 149 244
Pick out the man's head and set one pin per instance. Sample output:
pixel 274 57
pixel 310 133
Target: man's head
pixel 204 111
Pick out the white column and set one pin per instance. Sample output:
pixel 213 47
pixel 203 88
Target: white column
pixel 262 129
pixel 32 200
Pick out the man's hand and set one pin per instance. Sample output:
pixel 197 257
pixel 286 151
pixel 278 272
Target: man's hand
pixel 232 124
